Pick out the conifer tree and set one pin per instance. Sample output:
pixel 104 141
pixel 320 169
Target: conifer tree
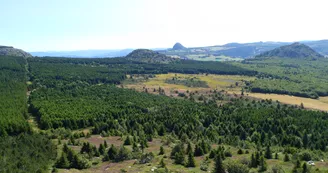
pixel 102 149
pixel 191 160
pixel 253 161
pixel 189 148
pixel 179 157
pixel 286 157
pixel 161 151
pixel 218 167
pixel 268 154
pixel 105 144
pixel 162 163
pixel 263 165
pixel 63 161
pixel 304 168
pixel 112 152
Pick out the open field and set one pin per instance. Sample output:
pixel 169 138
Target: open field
pixel 154 146
pixel 222 82
pixel 219 82
pixel 320 104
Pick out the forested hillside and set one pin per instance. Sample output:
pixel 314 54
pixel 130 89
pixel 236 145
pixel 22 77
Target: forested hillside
pixel 304 77
pixel 13 111
pixel 21 150
pixel 81 93
pixel 88 95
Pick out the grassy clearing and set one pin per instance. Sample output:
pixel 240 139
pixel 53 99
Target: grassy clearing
pixel 321 104
pixel 223 82
pixel 324 99
pixel 220 82
pixel 154 147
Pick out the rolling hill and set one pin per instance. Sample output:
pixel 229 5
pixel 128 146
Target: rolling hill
pixel 295 50
pixel 11 51
pixel 149 56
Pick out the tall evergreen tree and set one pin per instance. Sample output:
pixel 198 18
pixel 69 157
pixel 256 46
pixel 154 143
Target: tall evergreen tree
pixel 268 154
pixel 191 160
pixel 63 162
pixel 112 152
pixel 161 151
pixel 162 163
pixel 218 167
pixel 179 158
pixel 304 168
pixel 253 161
pixel 263 165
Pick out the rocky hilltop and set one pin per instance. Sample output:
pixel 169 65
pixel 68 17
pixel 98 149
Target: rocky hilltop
pixel 11 51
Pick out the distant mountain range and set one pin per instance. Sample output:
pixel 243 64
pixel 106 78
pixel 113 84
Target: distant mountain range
pixel 235 50
pixel 240 50
pixel 84 53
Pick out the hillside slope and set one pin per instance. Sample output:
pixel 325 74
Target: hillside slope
pixel 295 50
pixel 149 56
pixel 11 51
pixel 178 46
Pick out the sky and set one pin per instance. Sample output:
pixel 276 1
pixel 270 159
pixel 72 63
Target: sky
pixel 62 25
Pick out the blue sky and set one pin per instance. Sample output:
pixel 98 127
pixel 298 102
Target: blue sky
pixel 44 25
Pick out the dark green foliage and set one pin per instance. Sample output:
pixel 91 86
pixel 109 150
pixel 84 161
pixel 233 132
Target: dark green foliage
pixel 179 148
pixel 13 109
pixel 202 148
pixel 227 153
pixel 218 167
pixel 236 167
pixel 306 156
pixel 179 157
pixel 161 151
pixel 191 82
pixel 102 149
pixel 286 158
pixel 198 151
pixel 26 153
pixel 191 160
pixel 205 164
pixel 268 153
pixel 123 154
pixel 263 165
pixel 135 147
pixel 128 141
pixel 240 151
pixel 146 158
pixel 254 162
pixel 162 163
pixel 63 162
pixel 105 144
pixel 276 156
pixel 112 152
pixel 305 168
pixel 306 78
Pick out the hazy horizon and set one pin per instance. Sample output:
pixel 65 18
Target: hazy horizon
pixel 38 26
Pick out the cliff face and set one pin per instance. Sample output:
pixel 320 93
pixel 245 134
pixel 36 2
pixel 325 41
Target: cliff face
pixel 11 51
